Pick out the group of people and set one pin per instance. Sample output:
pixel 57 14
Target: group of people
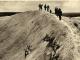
pixel 46 7
pixel 58 11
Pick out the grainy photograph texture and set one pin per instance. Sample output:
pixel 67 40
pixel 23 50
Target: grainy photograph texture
pixel 40 30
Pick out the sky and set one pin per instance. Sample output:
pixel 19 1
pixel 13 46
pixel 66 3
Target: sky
pixel 25 5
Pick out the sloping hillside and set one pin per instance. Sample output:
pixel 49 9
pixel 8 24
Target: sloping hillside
pixel 30 28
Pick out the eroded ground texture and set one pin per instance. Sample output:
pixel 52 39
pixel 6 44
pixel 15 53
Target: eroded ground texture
pixel 48 38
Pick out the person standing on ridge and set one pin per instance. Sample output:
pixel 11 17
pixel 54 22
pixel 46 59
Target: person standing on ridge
pixel 59 13
pixel 50 11
pixel 45 7
pixel 56 11
pixel 48 8
pixel 40 6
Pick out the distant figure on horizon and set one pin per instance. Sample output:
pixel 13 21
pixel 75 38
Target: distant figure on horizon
pixel 48 7
pixel 40 6
pixel 58 12
pixel 50 11
pixel 45 7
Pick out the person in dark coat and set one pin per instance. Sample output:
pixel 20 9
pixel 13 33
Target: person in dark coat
pixel 50 11
pixel 40 6
pixel 45 7
pixel 59 13
pixel 48 7
pixel 56 11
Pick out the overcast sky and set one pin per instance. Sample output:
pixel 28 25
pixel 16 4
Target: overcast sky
pixel 20 5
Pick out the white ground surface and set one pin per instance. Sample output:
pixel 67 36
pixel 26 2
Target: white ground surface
pixel 29 28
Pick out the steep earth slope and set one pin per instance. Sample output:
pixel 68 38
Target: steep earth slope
pixel 30 28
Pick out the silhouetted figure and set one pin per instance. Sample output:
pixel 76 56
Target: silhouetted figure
pixel 45 7
pixel 26 53
pixel 27 50
pixel 50 11
pixel 59 13
pixel 56 11
pixel 40 6
pixel 48 8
